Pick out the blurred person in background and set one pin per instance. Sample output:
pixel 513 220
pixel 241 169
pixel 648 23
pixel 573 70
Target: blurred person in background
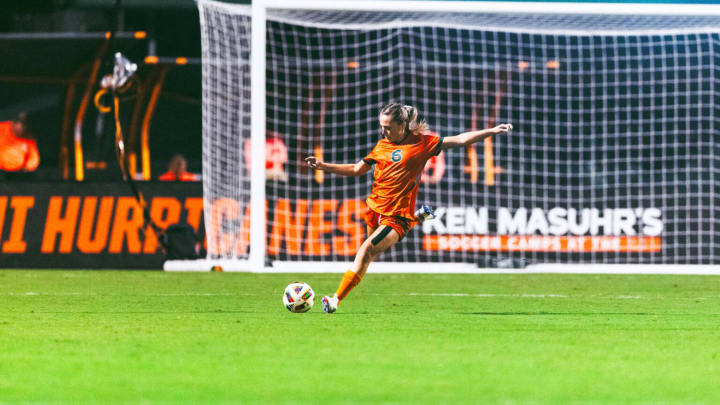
pixel 177 171
pixel 276 155
pixel 18 148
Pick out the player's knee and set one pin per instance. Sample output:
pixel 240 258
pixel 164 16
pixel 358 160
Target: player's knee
pixel 376 250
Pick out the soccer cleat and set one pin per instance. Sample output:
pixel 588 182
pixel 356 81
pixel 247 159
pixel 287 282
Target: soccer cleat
pixel 425 213
pixel 329 305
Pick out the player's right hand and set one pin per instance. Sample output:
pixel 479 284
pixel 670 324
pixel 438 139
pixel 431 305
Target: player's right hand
pixel 313 162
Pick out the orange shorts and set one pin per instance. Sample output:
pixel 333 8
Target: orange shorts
pixel 399 224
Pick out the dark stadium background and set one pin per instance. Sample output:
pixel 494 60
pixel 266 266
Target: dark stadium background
pixel 35 73
pixel 39 67
pixel 37 82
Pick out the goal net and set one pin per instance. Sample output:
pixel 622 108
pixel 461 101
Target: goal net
pixel 612 160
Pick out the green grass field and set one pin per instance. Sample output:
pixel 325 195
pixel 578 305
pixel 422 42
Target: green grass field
pixel 152 337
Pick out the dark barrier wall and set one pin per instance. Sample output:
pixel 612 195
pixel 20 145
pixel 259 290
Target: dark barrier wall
pixel 89 225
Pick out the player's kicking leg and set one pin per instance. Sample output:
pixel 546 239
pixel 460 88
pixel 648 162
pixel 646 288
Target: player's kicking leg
pixel 379 241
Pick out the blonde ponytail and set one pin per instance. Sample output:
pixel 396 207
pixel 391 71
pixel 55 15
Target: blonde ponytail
pixel 413 124
pixel 405 114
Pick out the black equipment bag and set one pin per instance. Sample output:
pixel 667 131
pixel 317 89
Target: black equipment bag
pixel 180 242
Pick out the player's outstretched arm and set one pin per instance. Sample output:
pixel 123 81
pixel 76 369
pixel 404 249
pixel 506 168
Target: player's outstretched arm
pixel 343 169
pixel 469 138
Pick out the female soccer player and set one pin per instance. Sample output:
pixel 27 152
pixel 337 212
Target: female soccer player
pixel 399 158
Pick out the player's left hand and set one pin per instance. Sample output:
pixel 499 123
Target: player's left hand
pixel 503 128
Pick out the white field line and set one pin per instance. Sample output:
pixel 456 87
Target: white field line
pixel 30 293
pixel 412 294
pixel 621 297
pixel 489 295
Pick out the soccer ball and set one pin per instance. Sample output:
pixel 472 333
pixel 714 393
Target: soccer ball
pixel 298 297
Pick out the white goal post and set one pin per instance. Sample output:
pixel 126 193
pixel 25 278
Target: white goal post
pixel 612 161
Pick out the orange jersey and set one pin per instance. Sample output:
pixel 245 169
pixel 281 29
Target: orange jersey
pixel 397 173
pixel 171 176
pixel 17 153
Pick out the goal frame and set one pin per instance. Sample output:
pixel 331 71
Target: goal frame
pixel 256 261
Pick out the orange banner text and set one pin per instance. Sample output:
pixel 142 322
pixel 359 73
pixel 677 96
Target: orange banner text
pixel 301 227
pixel 92 224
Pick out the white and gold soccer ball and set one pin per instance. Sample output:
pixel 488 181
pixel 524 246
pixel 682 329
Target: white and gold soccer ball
pixel 299 297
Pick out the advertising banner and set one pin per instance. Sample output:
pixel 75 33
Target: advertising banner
pixel 90 225
pixel 333 229
pixel 100 225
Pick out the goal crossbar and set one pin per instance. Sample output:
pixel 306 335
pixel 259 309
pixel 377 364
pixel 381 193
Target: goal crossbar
pixel 497 7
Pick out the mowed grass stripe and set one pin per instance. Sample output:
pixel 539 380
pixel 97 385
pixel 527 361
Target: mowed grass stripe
pixel 112 336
